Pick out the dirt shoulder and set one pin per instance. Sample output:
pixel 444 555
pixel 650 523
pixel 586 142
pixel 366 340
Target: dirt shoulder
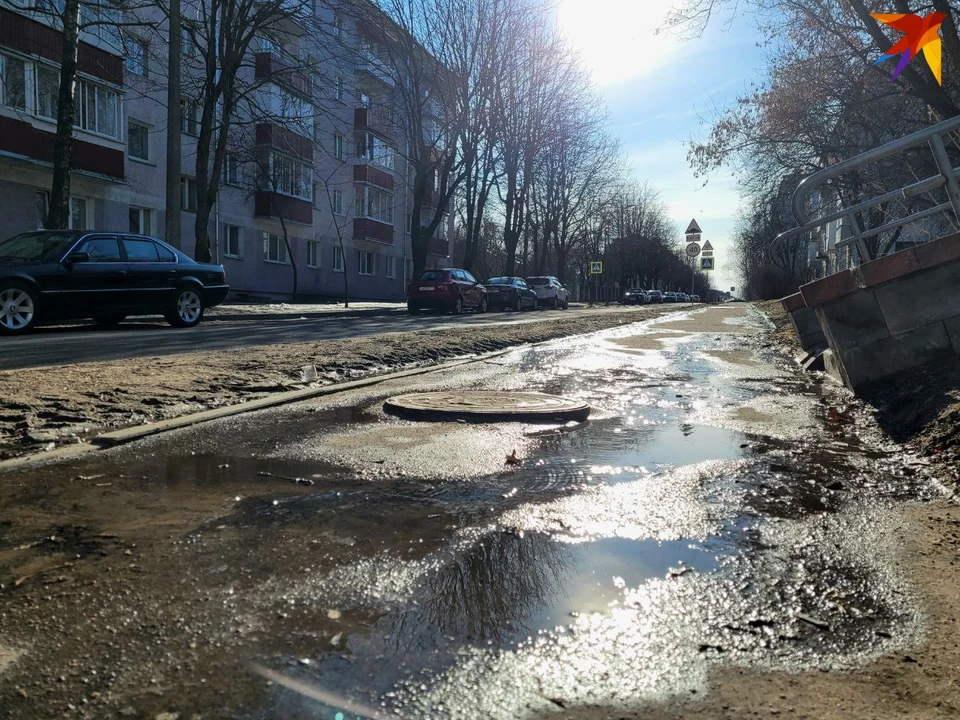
pixel 920 408
pixel 46 407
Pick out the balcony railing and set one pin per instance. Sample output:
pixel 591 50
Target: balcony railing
pixel 375 67
pixel 439 246
pixel 370 229
pixel 378 120
pixel 269 66
pixel 280 138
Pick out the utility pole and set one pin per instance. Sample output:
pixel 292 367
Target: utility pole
pixel 172 214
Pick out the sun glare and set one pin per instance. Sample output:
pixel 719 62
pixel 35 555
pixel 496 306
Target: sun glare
pixel 617 39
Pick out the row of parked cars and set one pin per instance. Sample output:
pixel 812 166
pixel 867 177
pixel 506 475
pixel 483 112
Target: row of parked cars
pixel 637 296
pixel 455 290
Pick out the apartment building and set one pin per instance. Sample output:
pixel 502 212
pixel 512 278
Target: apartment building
pixel 317 153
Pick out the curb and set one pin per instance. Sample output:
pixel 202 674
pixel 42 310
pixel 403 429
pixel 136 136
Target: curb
pixel 239 317
pixel 115 438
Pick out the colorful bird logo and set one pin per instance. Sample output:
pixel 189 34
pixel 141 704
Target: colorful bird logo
pixel 921 34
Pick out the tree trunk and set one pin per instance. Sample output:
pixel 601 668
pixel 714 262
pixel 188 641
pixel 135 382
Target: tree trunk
pixel 58 214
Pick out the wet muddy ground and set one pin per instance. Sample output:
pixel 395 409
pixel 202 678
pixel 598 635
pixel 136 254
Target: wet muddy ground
pixel 718 513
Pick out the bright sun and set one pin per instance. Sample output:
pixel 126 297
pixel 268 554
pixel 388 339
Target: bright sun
pixel 617 39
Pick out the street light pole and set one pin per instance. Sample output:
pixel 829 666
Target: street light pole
pixel 172 211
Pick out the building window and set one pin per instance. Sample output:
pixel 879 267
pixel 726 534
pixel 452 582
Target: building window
pixel 48 91
pixel 100 20
pixel 338 88
pixel 338 147
pixel 190 118
pixel 374 204
pixel 365 265
pixel 188 194
pixel 313 253
pixel 375 150
pixel 77 220
pixel 138 146
pixel 231 169
pixel 233 246
pixel 13 82
pixel 290 176
pixel 186 42
pixel 338 202
pixel 275 249
pixel 96 109
pixel 136 56
pixel 141 221
pixel 390 266
pixel 337 259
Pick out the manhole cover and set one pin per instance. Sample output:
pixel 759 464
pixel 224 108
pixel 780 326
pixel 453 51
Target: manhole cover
pixel 488 405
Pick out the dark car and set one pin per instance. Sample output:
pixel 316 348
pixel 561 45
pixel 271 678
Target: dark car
pixel 655 296
pixel 53 275
pixel 511 293
pixel 447 289
pixel 670 297
pixel 635 296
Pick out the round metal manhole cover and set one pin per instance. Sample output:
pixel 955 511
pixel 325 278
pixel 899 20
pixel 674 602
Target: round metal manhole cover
pixel 488 405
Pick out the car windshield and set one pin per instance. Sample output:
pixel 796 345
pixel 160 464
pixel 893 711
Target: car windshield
pixel 634 290
pixel 433 275
pixel 500 281
pixel 538 281
pixel 36 247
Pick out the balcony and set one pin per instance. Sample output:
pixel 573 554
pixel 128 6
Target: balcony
pixel 369 229
pixel 284 140
pixel 271 204
pixel 375 68
pixel 373 175
pixel 439 246
pixel 431 200
pixel 269 66
pixel 375 120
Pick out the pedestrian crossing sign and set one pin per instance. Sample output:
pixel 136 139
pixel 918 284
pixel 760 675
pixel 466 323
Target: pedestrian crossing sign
pixel 706 263
pixel 596 268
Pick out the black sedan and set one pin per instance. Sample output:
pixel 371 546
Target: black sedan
pixel 55 275
pixel 510 293
pixel 635 296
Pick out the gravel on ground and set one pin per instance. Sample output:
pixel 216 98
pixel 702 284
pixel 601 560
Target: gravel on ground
pixel 44 407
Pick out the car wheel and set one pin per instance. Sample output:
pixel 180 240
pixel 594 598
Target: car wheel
pixel 483 304
pixel 109 320
pixel 186 309
pixel 536 304
pixel 18 308
pixel 518 306
pixel 458 306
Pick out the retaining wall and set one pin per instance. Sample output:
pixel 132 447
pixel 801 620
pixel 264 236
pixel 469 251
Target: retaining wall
pixel 888 315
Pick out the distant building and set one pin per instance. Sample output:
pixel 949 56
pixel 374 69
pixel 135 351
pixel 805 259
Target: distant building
pixel 326 156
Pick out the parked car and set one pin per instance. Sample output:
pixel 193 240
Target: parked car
pixel 52 275
pixel 447 289
pixel 635 296
pixel 510 293
pixel 550 292
pixel 655 296
pixel 670 297
pixel 695 298
pixel 683 297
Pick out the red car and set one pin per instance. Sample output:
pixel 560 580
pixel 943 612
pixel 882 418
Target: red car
pixel 448 289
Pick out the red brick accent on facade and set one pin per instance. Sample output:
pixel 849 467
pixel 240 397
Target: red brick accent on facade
pixel 937 252
pixel 33 38
pixel 268 204
pixel 372 175
pixel 17 136
pixel 829 288
pixel 365 228
pixel 438 246
pixel 280 138
pixel 793 302
pixel 888 267
pixel 268 66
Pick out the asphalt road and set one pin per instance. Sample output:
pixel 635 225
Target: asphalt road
pixel 64 345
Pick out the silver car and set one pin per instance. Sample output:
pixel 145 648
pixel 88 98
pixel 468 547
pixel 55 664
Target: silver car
pixel 550 292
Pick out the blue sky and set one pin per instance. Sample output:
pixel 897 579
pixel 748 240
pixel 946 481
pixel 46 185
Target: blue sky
pixel 661 90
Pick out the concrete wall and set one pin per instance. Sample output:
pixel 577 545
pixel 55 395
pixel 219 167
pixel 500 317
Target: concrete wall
pixel 891 314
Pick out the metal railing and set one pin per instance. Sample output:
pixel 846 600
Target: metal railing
pixel 947 177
